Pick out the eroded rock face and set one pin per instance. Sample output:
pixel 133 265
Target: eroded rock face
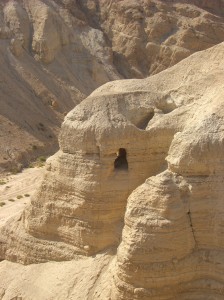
pixel 55 53
pixel 82 200
pixel 50 61
pixel 163 213
pixel 149 36
pixel 172 241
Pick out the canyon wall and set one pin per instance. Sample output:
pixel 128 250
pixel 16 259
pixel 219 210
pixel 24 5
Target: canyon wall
pixel 148 36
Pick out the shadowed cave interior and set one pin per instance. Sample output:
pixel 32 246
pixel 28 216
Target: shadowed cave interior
pixel 121 162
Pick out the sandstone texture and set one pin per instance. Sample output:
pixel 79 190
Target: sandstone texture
pixel 55 53
pixel 162 215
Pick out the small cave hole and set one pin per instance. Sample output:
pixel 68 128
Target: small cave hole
pixel 121 162
pixel 144 122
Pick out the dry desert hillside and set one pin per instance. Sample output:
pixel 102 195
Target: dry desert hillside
pixel 54 53
pixel 146 225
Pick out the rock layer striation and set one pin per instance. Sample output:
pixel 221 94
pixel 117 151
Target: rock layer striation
pixel 54 53
pixel 164 212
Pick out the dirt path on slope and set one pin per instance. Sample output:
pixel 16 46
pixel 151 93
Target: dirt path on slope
pixel 16 190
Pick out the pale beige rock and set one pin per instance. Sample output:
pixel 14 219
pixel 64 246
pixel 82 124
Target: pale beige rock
pixel 163 214
pixel 172 241
pixel 60 51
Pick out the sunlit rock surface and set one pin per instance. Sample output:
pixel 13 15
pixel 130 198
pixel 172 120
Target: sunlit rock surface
pixel 55 53
pixel 162 214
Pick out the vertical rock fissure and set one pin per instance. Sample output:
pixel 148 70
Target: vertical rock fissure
pixel 192 228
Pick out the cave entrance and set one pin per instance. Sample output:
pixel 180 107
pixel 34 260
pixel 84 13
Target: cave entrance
pixel 121 162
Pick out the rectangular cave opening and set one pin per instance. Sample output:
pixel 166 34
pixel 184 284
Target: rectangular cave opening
pixel 121 163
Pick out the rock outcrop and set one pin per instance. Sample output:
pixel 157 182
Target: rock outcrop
pixel 172 241
pixel 163 212
pixel 54 53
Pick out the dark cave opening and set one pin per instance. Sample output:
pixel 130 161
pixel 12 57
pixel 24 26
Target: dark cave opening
pixel 121 162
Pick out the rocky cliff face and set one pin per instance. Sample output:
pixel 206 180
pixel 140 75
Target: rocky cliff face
pixel 50 61
pixel 148 36
pixel 55 53
pixel 161 209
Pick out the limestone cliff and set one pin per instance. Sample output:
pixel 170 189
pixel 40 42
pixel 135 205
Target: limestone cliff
pixel 162 211
pixel 54 53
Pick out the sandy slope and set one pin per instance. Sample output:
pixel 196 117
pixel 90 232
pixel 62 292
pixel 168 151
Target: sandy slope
pixel 76 280
pixel 24 183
